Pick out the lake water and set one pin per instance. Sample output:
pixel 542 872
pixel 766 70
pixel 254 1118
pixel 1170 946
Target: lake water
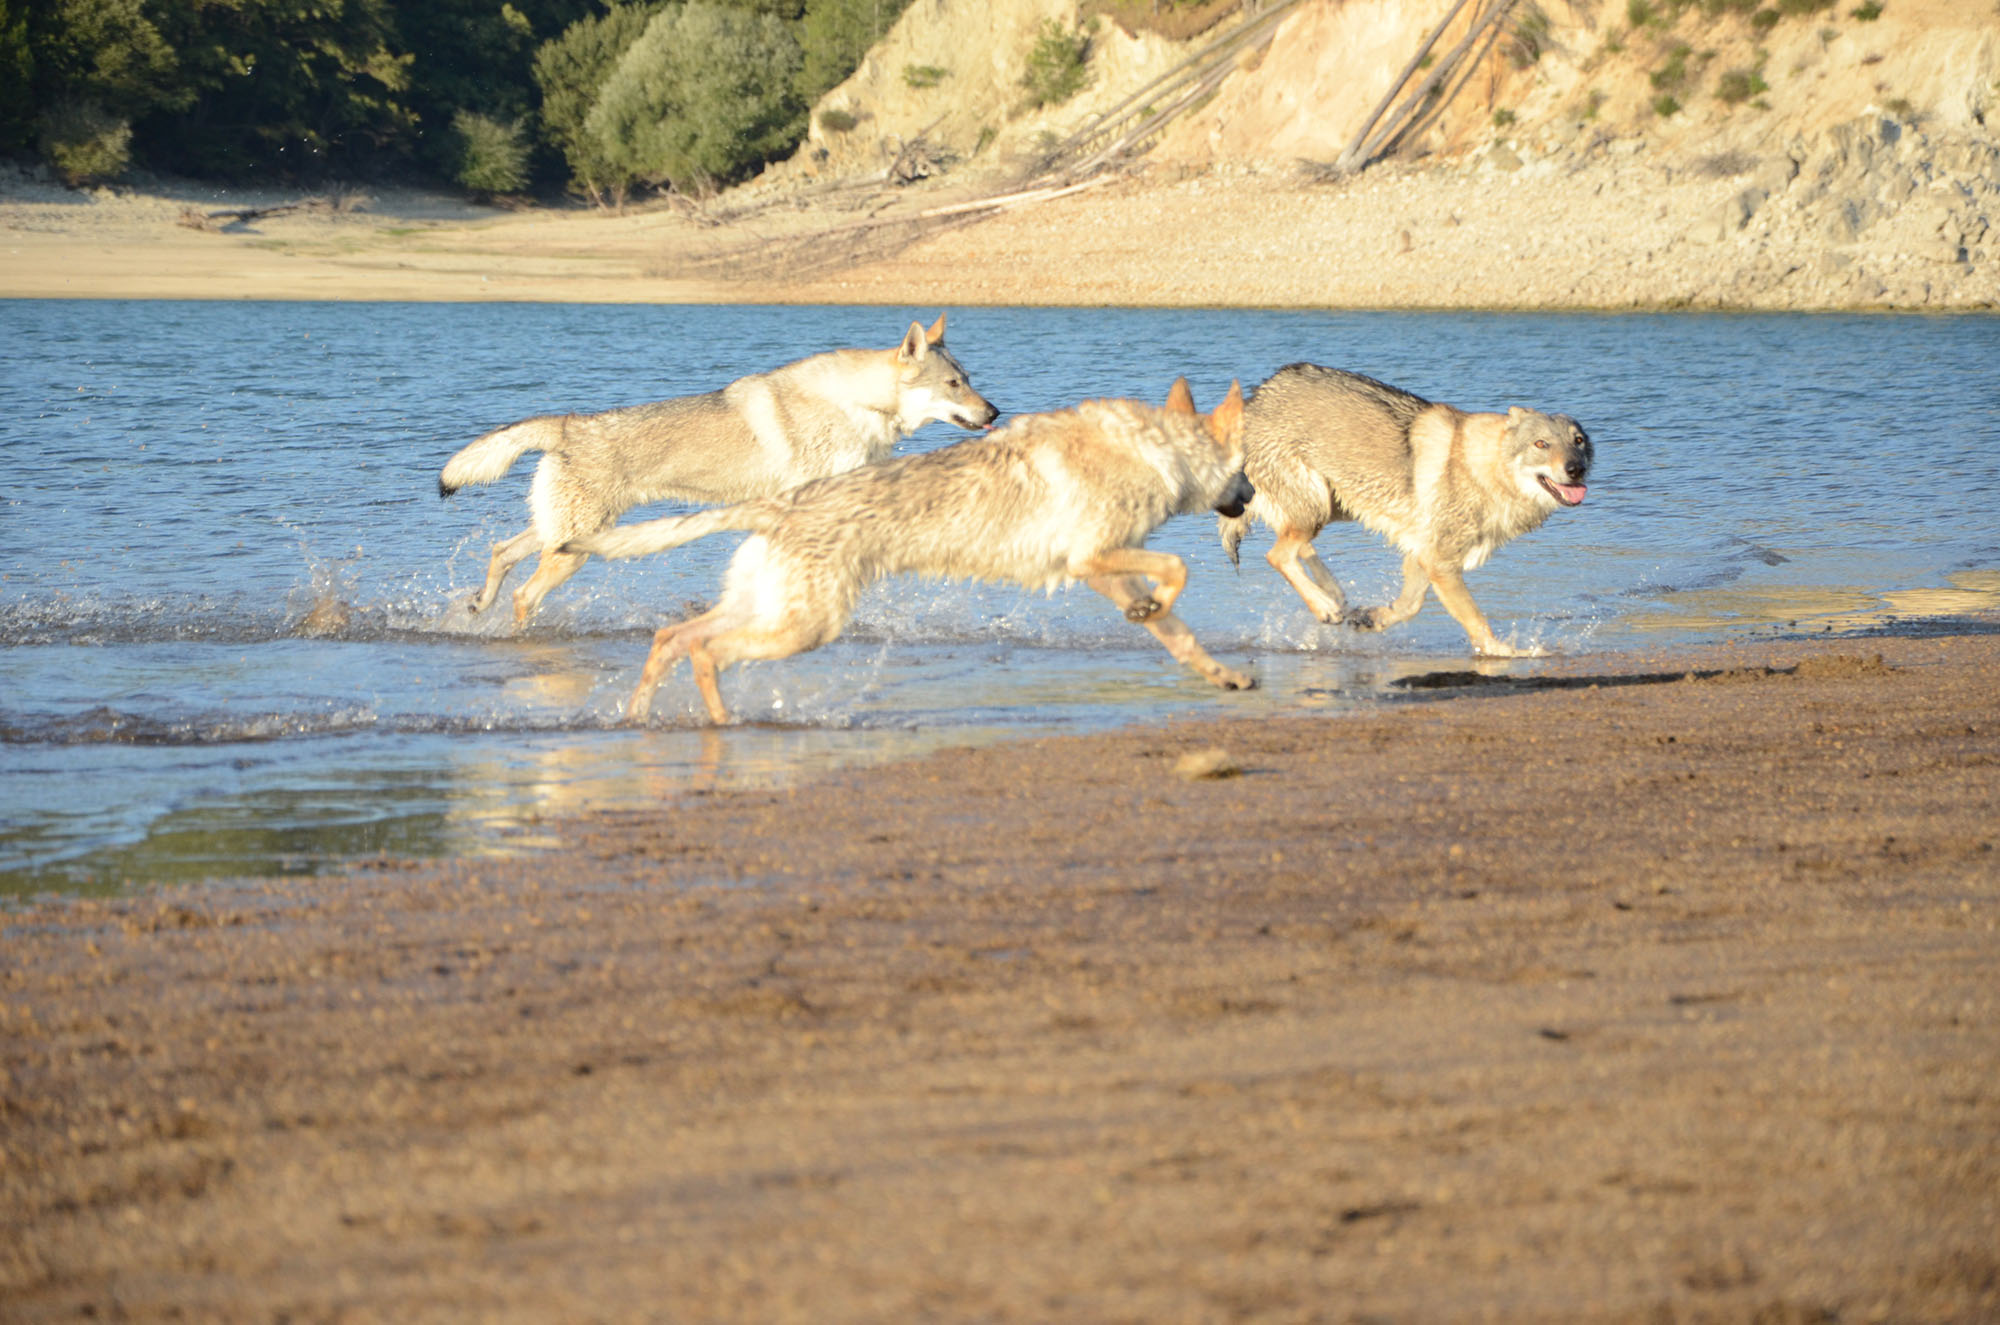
pixel 185 482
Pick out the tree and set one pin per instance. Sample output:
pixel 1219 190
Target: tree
pixel 570 71
pixel 702 97
pixel 836 35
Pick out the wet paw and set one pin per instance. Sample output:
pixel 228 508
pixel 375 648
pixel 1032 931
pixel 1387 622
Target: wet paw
pixel 1363 618
pixel 1142 609
pixel 1230 679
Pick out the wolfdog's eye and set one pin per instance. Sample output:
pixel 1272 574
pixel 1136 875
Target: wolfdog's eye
pixel 1541 446
pixel 954 384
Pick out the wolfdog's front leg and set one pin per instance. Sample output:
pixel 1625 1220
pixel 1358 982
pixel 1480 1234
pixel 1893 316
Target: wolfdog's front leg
pixel 1292 556
pixel 1166 571
pixel 1128 591
pixel 1457 600
pixel 1416 583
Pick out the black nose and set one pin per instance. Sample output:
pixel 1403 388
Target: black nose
pixel 1235 497
pixel 1575 469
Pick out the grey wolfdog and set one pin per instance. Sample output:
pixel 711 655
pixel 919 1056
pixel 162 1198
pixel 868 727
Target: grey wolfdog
pixel 756 437
pixel 1048 499
pixel 1445 487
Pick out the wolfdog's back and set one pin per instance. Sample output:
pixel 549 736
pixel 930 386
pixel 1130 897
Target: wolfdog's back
pixel 1351 431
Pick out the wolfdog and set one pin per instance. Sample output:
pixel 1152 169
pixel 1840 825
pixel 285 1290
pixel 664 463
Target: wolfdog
pixel 756 437
pixel 1049 499
pixel 1444 486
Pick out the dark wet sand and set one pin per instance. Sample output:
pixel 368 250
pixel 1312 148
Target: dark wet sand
pixel 1656 1000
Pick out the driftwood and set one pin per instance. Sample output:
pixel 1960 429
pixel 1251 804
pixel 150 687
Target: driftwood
pixel 1423 101
pixel 230 217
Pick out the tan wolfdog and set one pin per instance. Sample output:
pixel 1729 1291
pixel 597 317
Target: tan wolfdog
pixel 1445 487
pixel 756 437
pixel 1048 499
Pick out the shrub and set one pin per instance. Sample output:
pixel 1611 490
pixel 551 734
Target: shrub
pixel 1739 85
pixel 701 98
pixel 1796 8
pixel 1530 36
pixel 84 143
pixel 1057 68
pixel 924 75
pixel 1867 13
pixel 1592 103
pixel 1638 13
pixel 492 157
pixel 836 120
pixel 1664 105
pixel 1673 73
pixel 1502 118
pixel 1764 20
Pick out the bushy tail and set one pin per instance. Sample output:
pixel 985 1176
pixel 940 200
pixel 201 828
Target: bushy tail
pixel 636 540
pixel 1230 529
pixel 495 453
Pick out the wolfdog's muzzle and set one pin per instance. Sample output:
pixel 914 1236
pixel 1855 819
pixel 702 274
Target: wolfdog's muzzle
pixel 1235 497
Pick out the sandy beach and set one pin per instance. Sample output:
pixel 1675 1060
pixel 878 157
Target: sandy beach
pixel 1657 988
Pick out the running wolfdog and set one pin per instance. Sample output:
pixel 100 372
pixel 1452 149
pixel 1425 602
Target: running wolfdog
pixel 1444 486
pixel 1048 499
pixel 756 437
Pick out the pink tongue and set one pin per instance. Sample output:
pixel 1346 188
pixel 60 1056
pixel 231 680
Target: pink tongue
pixel 1571 494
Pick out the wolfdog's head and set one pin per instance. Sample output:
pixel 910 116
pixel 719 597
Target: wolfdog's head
pixel 1548 454
pixel 930 384
pixel 1224 426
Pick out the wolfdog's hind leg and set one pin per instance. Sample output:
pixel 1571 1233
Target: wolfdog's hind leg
pixel 1292 556
pixel 1416 583
pixel 551 570
pixel 669 643
pixel 506 555
pixel 1169 630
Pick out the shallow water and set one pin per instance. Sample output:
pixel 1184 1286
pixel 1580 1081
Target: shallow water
pixel 232 604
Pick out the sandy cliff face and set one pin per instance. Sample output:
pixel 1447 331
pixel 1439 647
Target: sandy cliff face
pixel 951 70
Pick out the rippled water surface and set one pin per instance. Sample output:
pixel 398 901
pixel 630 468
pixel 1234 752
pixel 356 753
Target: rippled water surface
pixel 232 603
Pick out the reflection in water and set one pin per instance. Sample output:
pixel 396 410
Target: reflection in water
pixel 1818 607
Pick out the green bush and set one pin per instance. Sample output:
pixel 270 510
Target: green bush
pixel 921 76
pixel 1057 68
pixel 834 119
pixel 1765 19
pixel 705 95
pixel 1867 13
pixel 492 157
pixel 1502 118
pixel 1664 105
pixel 1796 8
pixel 84 143
pixel 570 71
pixel 1739 85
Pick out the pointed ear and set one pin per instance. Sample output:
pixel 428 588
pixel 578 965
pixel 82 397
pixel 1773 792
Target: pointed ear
pixel 936 334
pixel 914 346
pixel 1180 400
pixel 1228 416
pixel 1515 413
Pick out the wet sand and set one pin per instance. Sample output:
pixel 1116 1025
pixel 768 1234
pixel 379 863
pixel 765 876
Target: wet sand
pixel 1626 996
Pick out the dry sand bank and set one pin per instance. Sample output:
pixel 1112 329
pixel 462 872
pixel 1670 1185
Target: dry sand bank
pixel 1599 227
pixel 1636 998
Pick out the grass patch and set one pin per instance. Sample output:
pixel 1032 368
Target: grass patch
pixel 922 76
pixel 1739 85
pixel 835 120
pixel 1867 13
pixel 1664 105
pixel 1502 118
